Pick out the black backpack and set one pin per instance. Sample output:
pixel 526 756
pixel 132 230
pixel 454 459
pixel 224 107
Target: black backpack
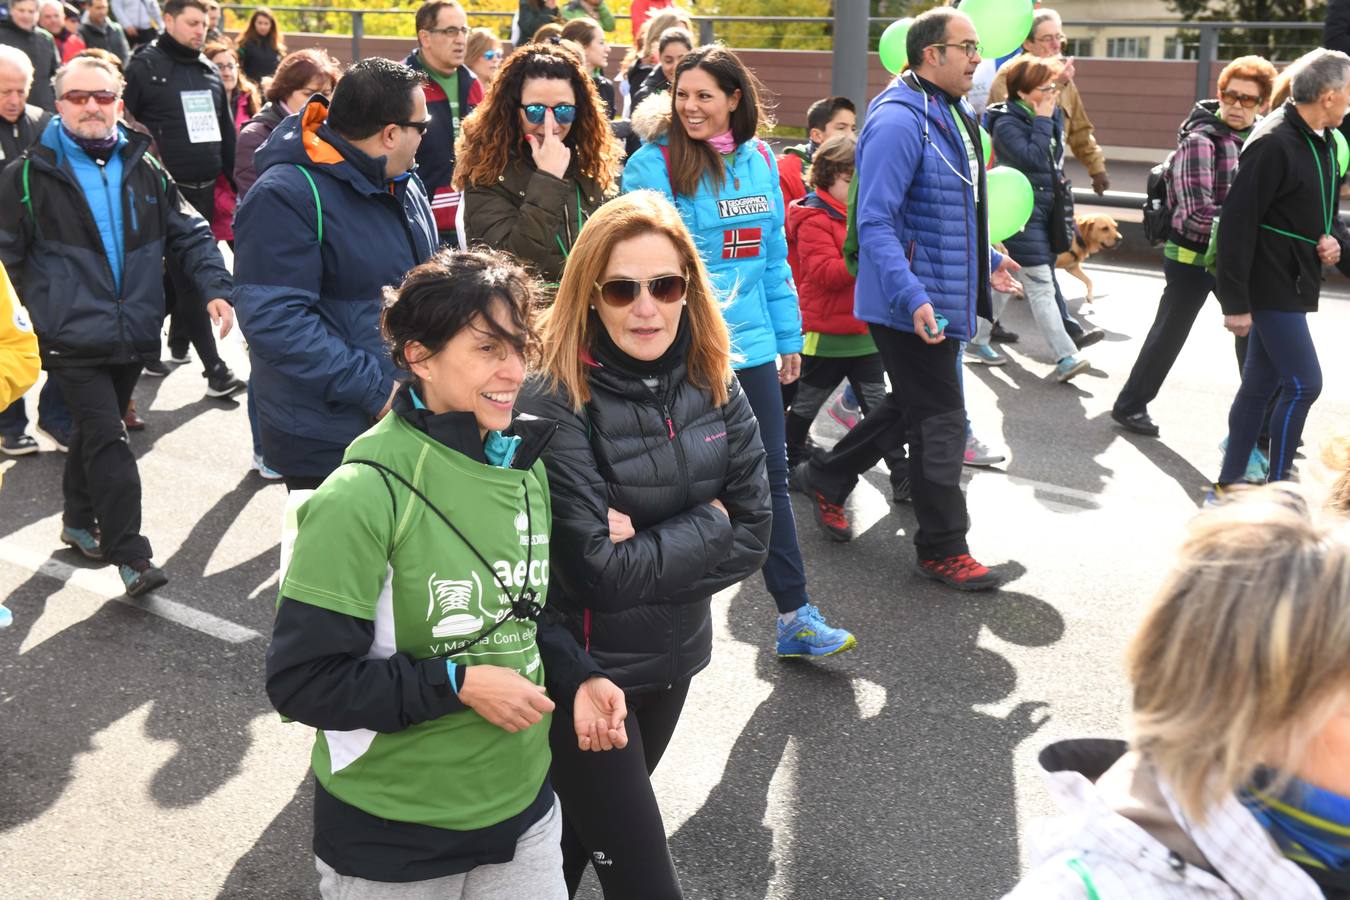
pixel 1157 207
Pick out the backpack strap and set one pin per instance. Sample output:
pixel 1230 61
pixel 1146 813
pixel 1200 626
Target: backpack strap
pixel 318 208
pixel 27 198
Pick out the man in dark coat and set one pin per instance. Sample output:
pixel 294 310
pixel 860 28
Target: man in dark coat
pixel 89 270
pixel 101 32
pixel 20 30
pixel 335 215
pixel 176 93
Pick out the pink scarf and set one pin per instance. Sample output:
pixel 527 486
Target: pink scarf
pixel 723 143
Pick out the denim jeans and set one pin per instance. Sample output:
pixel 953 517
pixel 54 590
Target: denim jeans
pixel 52 410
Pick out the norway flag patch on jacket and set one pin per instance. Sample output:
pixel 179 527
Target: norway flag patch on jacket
pixel 741 243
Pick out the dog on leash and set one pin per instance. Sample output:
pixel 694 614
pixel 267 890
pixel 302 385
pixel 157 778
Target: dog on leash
pixel 1095 232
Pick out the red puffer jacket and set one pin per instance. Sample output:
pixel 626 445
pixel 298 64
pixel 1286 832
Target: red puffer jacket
pixel 816 226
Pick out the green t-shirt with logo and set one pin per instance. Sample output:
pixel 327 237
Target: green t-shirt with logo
pixel 449 84
pixel 360 553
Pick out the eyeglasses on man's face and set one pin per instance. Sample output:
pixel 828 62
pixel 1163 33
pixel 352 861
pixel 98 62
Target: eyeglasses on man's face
pixel 972 48
pixel 452 30
pixel 421 126
pixel 1049 40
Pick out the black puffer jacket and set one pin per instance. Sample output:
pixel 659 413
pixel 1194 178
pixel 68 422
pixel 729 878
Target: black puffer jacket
pixel 641 607
pixel 157 77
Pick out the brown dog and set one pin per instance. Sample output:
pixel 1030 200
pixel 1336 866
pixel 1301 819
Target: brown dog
pixel 1095 232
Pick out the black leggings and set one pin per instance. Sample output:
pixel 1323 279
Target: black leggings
pixel 610 815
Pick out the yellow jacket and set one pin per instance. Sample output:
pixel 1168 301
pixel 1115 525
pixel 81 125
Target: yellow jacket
pixel 19 362
pixel 1077 127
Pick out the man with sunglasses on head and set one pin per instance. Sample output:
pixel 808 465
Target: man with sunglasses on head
pixel 924 269
pixel 335 215
pixel 86 219
pixel 452 92
pixel 176 93
pixel 1198 178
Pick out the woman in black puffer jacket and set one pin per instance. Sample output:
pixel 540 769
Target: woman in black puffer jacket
pixel 660 499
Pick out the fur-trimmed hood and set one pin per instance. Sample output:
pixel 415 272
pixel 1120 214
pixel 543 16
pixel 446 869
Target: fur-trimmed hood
pixel 651 119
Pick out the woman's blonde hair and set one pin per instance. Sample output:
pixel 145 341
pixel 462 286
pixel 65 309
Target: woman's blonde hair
pixel 1243 655
pixel 1336 457
pixel 566 329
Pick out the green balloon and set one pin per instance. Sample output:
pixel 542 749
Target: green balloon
pixel 894 56
pixel 1342 151
pixel 1010 202
pixel 1002 25
pixel 988 143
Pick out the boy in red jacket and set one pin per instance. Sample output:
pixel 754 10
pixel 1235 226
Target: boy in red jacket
pixel 836 345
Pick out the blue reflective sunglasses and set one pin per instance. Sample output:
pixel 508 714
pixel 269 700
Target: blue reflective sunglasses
pixel 563 113
pixel 491 54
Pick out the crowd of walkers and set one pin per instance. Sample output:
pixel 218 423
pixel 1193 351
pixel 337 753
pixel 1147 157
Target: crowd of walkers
pixel 537 354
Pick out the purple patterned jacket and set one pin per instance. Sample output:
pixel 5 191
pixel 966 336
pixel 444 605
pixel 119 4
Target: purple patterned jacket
pixel 1202 171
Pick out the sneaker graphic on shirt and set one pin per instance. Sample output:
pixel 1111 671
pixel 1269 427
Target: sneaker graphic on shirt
pixel 453 598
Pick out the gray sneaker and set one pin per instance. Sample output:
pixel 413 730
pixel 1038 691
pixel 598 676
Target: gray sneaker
pixel 979 454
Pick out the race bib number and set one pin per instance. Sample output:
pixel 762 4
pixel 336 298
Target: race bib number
pixel 199 109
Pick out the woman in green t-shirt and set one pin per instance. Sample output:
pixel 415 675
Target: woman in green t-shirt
pixel 410 631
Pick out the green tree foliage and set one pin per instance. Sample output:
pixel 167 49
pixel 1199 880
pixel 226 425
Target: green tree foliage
pixel 1274 44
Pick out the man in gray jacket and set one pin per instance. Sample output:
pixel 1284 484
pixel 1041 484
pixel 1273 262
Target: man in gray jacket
pixel 99 31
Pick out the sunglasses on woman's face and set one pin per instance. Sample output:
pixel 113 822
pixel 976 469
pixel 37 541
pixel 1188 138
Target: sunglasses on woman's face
pixel 623 291
pixel 563 113
pixel 491 54
pixel 1246 101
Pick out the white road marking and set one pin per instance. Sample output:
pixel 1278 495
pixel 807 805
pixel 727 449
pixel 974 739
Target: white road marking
pixel 97 581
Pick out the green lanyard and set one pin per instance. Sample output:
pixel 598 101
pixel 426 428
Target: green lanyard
pixel 557 237
pixel 1328 207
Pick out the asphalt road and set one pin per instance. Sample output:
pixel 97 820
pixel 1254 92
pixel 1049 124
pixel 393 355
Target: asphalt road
pixel 141 758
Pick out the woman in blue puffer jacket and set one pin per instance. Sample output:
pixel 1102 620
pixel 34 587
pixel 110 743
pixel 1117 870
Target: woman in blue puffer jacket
pixel 1028 135
pixel 702 153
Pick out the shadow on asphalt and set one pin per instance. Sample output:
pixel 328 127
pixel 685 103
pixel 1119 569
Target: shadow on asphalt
pixel 880 802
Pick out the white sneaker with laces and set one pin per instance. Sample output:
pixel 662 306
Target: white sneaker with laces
pixel 979 454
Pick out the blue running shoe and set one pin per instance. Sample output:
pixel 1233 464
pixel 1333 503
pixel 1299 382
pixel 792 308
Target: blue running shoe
pixel 1258 467
pixel 83 540
pixel 6 617
pixel 808 635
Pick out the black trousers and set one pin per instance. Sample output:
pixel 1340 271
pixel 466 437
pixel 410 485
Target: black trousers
pixel 189 322
pixel 820 376
pixel 925 407
pixel 102 485
pixel 610 815
pixel 1185 291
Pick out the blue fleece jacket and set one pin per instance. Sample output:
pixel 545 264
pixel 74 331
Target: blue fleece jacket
pixel 738 229
pixel 101 186
pixel 923 239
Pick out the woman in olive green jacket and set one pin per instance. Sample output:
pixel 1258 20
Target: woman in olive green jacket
pixel 535 159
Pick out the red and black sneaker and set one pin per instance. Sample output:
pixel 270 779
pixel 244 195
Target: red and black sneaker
pixel 961 572
pixel 831 518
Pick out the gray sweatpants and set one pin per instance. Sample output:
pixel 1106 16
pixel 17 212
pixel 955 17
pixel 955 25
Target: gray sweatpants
pixel 536 872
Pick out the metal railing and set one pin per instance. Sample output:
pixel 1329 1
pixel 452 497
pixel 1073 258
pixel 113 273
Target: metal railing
pixel 1208 50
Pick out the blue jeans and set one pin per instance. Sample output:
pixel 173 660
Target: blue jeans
pixel 784 572
pixel 52 410
pixel 1280 357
